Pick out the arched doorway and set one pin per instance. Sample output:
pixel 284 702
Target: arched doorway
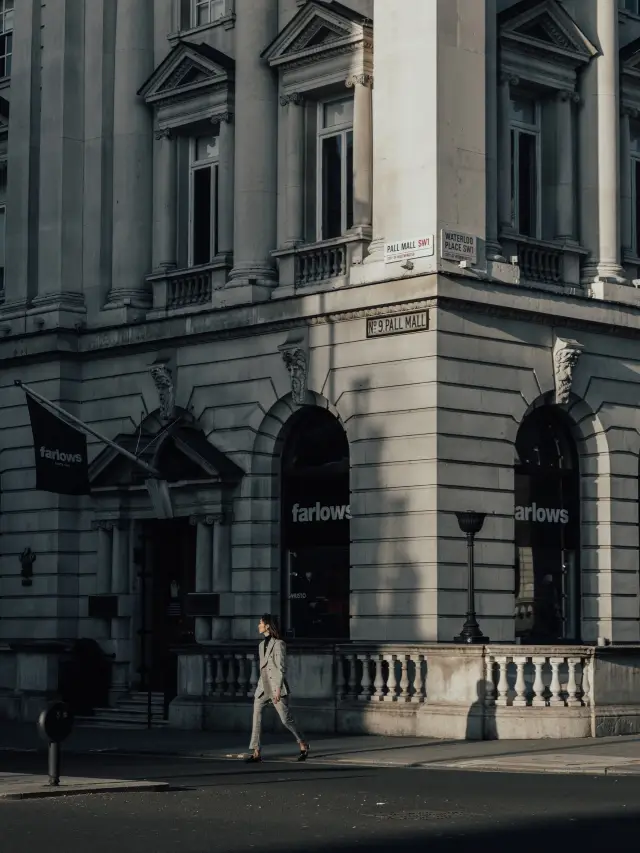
pixel 547 529
pixel 315 527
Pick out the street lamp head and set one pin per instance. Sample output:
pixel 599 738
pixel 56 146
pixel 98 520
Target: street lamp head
pixel 471 521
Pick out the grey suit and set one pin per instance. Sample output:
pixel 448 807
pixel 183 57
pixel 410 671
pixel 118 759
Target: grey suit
pixel 272 678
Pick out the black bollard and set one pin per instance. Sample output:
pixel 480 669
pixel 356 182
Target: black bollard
pixel 55 725
pixel 54 763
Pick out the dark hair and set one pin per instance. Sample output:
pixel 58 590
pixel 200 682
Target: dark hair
pixel 271 623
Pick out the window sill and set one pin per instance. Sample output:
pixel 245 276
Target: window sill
pixel 228 22
pixel 5 82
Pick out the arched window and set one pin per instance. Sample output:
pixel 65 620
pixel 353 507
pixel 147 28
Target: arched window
pixel 315 527
pixel 547 529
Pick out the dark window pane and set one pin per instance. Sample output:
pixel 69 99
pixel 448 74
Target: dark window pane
pixel 349 179
pixel 513 178
pixel 331 187
pixel 527 184
pixel 636 170
pixel 215 209
pixel 202 216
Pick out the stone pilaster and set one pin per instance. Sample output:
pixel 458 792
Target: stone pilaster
pixel 505 214
pixel 132 162
pixel 165 201
pixel 221 575
pixel 204 552
pixel 626 182
pixel 226 185
pixel 294 179
pixel 565 180
pixel 494 250
pixel 256 104
pixel 362 85
pixel 60 300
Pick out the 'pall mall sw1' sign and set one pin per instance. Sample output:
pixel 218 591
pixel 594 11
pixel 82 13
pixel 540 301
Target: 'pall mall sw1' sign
pixel 405 250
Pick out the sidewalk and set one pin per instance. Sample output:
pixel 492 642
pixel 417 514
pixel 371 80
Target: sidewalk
pixel 598 756
pixel 23 786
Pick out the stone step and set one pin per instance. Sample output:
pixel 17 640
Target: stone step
pixel 138 707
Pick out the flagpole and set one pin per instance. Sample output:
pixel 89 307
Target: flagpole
pixel 148 468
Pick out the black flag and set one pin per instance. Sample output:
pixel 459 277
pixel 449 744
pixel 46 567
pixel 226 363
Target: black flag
pixel 60 453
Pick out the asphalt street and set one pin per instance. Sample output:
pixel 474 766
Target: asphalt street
pixel 228 806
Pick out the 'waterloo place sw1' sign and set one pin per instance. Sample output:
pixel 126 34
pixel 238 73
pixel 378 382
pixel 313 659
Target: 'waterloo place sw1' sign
pixel 458 247
pixel 405 250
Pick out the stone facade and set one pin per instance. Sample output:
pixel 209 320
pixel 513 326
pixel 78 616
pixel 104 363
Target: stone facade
pixel 181 272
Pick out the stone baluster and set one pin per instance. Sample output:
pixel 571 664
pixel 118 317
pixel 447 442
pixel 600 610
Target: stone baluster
pixel 340 680
pixel 419 685
pixel 404 678
pixel 520 698
pixel 392 680
pixel 378 682
pixel 220 674
pixel 365 693
pixel 586 680
pixel 555 686
pixel 253 676
pixel 502 690
pixel 490 690
pixel 538 683
pixel 208 675
pixel 231 676
pixel 353 677
pixel 242 675
pixel 573 692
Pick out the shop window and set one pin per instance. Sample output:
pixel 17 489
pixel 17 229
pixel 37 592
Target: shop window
pixel 316 517
pixel 547 529
pixel 525 123
pixel 203 199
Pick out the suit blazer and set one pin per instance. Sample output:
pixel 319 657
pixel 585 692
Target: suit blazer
pixel 273 668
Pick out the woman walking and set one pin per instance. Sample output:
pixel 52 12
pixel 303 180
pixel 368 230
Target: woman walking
pixel 272 687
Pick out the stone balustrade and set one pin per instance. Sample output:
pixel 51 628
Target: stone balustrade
pixel 539 680
pixel 323 264
pixel 187 289
pixel 544 261
pixel 392 675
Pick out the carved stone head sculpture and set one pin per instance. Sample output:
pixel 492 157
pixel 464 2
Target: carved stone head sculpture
pixel 565 357
pixel 163 380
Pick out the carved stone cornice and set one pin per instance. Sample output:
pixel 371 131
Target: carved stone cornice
pixel 294 98
pixel 566 353
pixel 359 80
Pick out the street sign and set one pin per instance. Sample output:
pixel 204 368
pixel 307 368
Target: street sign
pixel 397 324
pixel 457 247
pixel 408 249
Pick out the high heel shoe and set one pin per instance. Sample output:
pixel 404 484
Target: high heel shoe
pixel 304 753
pixel 253 759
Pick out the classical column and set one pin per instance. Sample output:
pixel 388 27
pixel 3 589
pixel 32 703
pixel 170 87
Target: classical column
pixel 294 180
pixel 362 149
pixel 204 528
pixel 504 152
pixel 221 573
pixel 225 185
pixel 626 179
pixel 105 556
pixel 165 202
pixel 494 251
pixel 565 179
pixel 600 149
pixel 255 180
pixel 132 156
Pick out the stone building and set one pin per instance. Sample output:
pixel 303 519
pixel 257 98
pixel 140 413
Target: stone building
pixel 332 313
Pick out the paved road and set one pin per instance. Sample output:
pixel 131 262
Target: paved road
pixel 226 806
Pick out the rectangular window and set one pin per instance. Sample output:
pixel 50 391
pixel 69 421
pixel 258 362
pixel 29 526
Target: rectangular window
pixel 335 168
pixel 6 37
pixel 525 167
pixel 203 200
pixel 3 218
pixel 206 11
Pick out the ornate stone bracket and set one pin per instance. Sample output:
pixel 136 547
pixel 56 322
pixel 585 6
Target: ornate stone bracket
pixel 360 80
pixel 294 355
pixel 163 380
pixel 566 353
pixel 294 98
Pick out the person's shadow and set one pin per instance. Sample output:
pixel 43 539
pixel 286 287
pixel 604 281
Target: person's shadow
pixel 481 718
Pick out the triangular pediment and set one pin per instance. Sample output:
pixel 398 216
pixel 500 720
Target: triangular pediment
pixel 188 68
pixel 184 453
pixel 318 28
pixel 545 27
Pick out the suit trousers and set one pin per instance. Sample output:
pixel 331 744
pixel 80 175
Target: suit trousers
pixel 284 712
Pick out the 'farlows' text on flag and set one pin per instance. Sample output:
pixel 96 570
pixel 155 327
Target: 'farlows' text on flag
pixel 60 453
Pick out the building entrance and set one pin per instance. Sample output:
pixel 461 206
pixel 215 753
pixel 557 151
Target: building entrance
pixel 170 564
pixel 316 516
pixel 547 529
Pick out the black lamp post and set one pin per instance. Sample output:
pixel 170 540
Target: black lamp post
pixel 471 523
